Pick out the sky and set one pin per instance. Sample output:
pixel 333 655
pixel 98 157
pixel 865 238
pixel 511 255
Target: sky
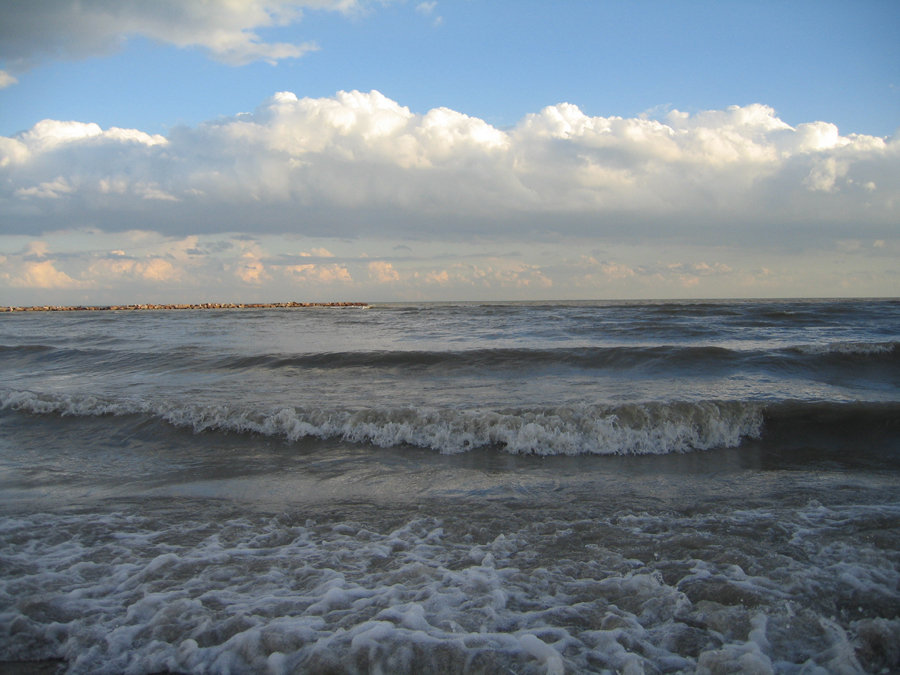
pixel 382 150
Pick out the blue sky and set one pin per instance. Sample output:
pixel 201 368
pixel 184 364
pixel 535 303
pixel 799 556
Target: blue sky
pixel 707 149
pixel 833 61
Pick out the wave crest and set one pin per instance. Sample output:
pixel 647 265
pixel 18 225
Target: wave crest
pixel 630 429
pixel 850 348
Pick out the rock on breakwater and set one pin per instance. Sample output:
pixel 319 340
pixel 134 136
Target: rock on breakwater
pixel 202 305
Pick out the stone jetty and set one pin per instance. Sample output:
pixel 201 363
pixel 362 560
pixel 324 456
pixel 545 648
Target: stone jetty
pixel 202 305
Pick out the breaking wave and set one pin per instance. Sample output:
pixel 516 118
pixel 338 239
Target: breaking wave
pixel 637 429
pixel 631 429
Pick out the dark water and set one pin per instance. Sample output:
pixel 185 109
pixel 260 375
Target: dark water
pixel 546 488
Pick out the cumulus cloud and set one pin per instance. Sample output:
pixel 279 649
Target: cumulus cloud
pixel 35 268
pixel 251 270
pixel 615 270
pixel 321 274
pixel 122 269
pixel 383 272
pixel 42 275
pixel 360 164
pixel 32 31
pixel 143 266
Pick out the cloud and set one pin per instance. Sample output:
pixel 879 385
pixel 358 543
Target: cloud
pixel 690 275
pixel 705 269
pixel 36 249
pixel 32 31
pixel 320 274
pixel 117 270
pixel 43 275
pixel 383 272
pixel 499 273
pixel 65 267
pixel 427 9
pixel 614 270
pixel 251 270
pixel 589 272
pixel 6 80
pixel 318 253
pixel 362 165
pixel 48 190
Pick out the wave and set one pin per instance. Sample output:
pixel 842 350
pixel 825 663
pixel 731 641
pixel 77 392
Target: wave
pixel 636 429
pixel 650 428
pixel 651 357
pixel 7 351
pixel 639 356
pixel 83 359
pixel 478 358
pixel 849 348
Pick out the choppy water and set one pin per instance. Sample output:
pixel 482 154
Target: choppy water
pixel 567 487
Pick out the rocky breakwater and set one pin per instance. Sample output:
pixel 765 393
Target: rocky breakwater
pixel 202 305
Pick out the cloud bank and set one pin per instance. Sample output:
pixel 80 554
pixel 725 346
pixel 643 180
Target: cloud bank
pixel 361 167
pixel 362 164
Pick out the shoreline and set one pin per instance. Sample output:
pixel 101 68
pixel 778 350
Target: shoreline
pixel 202 305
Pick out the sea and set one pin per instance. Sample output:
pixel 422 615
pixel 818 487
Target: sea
pixel 529 487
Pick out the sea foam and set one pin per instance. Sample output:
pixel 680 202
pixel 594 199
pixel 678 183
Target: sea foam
pixel 639 429
pixel 186 590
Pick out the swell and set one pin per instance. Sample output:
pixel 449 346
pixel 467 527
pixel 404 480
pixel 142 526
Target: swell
pixel 813 356
pixel 38 355
pixel 651 428
pixel 849 354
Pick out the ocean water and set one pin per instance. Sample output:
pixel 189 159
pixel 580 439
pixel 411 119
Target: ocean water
pixel 500 488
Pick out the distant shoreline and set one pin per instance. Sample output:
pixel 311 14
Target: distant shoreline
pixel 202 305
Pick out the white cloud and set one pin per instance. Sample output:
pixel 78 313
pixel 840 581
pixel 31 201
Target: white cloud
pixel 383 272
pixel 251 270
pixel 317 253
pixel 427 9
pixel 32 31
pixel 48 135
pixel 44 275
pixel 362 165
pixel 319 274
pixel 588 272
pixel 48 190
pixel 150 191
pixel 498 274
pixel 614 270
pixel 6 80
pixel 140 266
pixel 12 152
pixel 120 269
